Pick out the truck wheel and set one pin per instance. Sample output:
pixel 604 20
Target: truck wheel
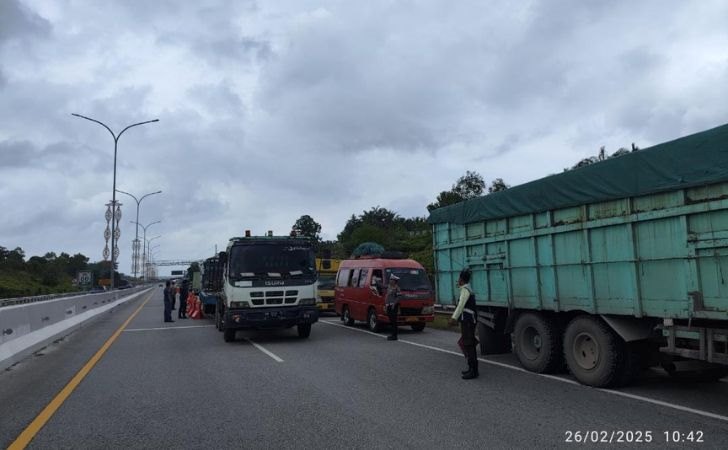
pixel 493 342
pixel 594 353
pixel 218 319
pixel 372 322
pixel 229 334
pixel 346 316
pixel 537 343
pixel 304 330
pixel 418 326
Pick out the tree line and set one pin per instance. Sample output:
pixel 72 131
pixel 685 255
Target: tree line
pixel 47 274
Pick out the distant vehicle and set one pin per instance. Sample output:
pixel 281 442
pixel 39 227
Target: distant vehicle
pixel 607 269
pixel 327 269
pixel 268 282
pixel 211 284
pixel 361 290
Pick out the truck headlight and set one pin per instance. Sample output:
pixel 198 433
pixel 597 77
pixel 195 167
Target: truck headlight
pixel 428 310
pixel 242 304
pixel 307 301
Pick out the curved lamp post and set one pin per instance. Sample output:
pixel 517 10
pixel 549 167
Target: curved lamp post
pixel 113 191
pixel 145 235
pixel 136 238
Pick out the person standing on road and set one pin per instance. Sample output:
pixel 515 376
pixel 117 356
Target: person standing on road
pixel 466 314
pixel 184 291
pixel 174 294
pixel 391 303
pixel 168 295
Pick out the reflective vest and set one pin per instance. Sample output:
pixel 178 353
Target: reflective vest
pixel 470 314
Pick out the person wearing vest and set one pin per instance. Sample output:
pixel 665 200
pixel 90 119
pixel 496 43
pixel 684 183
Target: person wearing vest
pixel 391 303
pixel 466 314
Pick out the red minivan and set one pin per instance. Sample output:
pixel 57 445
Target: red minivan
pixel 361 289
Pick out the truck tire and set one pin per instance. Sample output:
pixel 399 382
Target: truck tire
pixel 229 334
pixel 493 342
pixel 594 354
pixel 372 322
pixel 304 330
pixel 346 316
pixel 418 326
pixel 537 343
pixel 218 319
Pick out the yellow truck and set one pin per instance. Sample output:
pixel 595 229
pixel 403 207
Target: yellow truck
pixel 326 269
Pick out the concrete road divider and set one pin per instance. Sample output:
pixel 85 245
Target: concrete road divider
pixel 26 328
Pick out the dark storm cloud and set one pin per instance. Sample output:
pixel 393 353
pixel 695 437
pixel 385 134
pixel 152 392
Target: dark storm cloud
pixel 16 21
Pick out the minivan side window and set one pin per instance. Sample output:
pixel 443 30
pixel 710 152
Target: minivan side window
pixel 354 278
pixel 363 277
pixel 378 280
pixel 343 278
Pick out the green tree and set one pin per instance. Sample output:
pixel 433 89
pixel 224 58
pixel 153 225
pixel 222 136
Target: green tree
pixel 306 226
pixel 497 185
pixel 468 186
pixel 377 224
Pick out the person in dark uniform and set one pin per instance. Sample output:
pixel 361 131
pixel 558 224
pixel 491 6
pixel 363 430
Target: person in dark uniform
pixel 466 314
pixel 184 291
pixel 167 302
pixel 391 303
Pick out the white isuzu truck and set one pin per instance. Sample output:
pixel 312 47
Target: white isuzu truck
pixel 268 282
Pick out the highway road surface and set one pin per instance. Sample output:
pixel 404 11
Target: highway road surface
pixel 131 381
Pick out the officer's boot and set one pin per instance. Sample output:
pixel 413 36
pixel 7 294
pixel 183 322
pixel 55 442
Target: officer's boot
pixel 473 372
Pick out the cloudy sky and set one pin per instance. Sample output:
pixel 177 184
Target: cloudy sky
pixel 269 110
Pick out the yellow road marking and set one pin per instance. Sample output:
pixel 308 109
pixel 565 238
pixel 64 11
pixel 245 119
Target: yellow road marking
pixel 39 422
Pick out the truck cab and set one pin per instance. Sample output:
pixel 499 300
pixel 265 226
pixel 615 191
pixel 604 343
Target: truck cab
pixel 268 282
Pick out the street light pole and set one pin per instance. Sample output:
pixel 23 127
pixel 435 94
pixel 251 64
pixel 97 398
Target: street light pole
pixel 145 236
pixel 136 238
pixel 113 192
pixel 150 248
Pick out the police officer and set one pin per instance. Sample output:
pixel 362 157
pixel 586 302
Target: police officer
pixel 466 314
pixel 168 302
pixel 184 291
pixel 391 302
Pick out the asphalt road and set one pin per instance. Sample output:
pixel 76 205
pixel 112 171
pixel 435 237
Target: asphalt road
pixel 178 385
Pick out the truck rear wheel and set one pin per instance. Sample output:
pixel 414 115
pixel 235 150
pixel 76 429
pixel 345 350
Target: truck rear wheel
pixel 304 330
pixel 593 352
pixel 229 334
pixel 537 343
pixel 372 322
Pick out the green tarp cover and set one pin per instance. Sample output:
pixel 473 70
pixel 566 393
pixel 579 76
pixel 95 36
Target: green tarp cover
pixel 694 160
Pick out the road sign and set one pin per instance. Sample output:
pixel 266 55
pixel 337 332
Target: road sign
pixel 85 278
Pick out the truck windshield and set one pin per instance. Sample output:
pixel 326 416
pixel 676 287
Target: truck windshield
pixel 327 282
pixel 250 261
pixel 410 279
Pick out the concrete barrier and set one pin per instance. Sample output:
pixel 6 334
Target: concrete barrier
pixel 26 328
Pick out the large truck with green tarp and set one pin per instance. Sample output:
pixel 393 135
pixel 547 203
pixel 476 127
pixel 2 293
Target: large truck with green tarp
pixel 606 269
